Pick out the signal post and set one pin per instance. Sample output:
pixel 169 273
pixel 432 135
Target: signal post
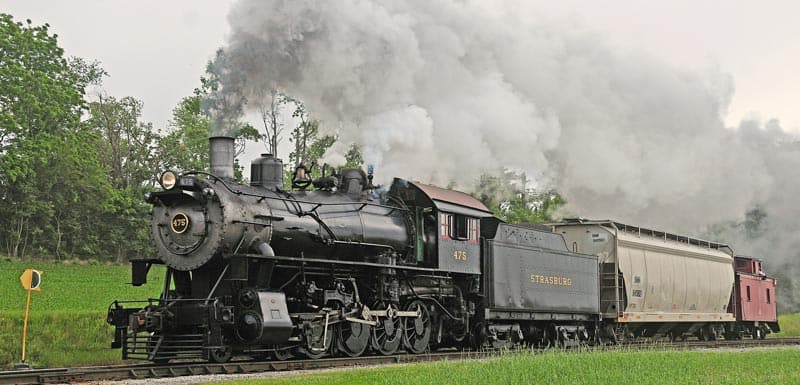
pixel 31 280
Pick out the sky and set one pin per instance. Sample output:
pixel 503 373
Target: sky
pixel 156 50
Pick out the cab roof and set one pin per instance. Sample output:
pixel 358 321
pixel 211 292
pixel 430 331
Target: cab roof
pixel 453 201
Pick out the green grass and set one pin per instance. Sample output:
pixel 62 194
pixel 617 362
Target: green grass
pixel 790 325
pixel 72 287
pixel 67 324
pixel 57 339
pixel 762 367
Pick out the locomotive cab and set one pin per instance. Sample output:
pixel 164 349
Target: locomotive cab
pixel 449 223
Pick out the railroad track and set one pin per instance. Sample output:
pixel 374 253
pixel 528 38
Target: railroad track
pixel 146 371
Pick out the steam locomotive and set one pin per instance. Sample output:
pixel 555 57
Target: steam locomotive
pixel 347 268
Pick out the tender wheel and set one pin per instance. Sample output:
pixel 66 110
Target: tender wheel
pixel 353 338
pixel 549 337
pixel 387 335
pixel 220 355
pixel 417 330
pixel 702 335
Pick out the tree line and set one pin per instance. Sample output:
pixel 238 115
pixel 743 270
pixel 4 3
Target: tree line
pixel 76 162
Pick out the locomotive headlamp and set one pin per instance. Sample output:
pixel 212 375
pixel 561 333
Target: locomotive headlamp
pixel 167 180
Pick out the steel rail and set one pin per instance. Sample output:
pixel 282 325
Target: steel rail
pixel 149 371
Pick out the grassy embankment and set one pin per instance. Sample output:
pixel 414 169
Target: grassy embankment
pixel 67 322
pixel 762 367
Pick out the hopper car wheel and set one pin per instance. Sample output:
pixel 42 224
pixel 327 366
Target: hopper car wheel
pixel 220 355
pixel 702 334
pixel 712 334
pixel 417 330
pixel 707 333
pixel 764 332
pixel 387 335
pixel 353 338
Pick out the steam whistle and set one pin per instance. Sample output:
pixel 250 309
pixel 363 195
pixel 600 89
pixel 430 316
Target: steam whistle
pixel 370 171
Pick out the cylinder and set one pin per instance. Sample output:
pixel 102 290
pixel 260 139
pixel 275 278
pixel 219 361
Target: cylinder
pixel 221 151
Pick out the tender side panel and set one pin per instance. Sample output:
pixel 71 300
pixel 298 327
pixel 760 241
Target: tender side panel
pixel 758 305
pixel 530 270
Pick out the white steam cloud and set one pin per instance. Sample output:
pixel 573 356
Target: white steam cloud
pixel 443 91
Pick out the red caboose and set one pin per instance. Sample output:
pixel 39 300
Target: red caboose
pixel 752 301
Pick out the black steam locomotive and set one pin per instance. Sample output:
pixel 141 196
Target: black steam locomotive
pixel 348 268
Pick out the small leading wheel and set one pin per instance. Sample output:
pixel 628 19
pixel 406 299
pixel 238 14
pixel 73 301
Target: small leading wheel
pixel 220 355
pixel 387 335
pixel 417 330
pixel 353 338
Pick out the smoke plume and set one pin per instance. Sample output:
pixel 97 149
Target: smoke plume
pixel 444 91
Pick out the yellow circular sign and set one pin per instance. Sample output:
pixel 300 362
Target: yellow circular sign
pixel 31 279
pixel 179 223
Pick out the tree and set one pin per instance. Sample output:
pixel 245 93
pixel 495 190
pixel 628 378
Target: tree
pixel 270 117
pixel 51 182
pixel 40 91
pixel 127 148
pixel 509 197
pixel 186 146
pixel 127 151
pixel 353 157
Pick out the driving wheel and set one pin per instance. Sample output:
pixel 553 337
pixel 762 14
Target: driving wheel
pixel 417 330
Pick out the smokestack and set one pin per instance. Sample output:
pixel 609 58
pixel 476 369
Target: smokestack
pixel 221 156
